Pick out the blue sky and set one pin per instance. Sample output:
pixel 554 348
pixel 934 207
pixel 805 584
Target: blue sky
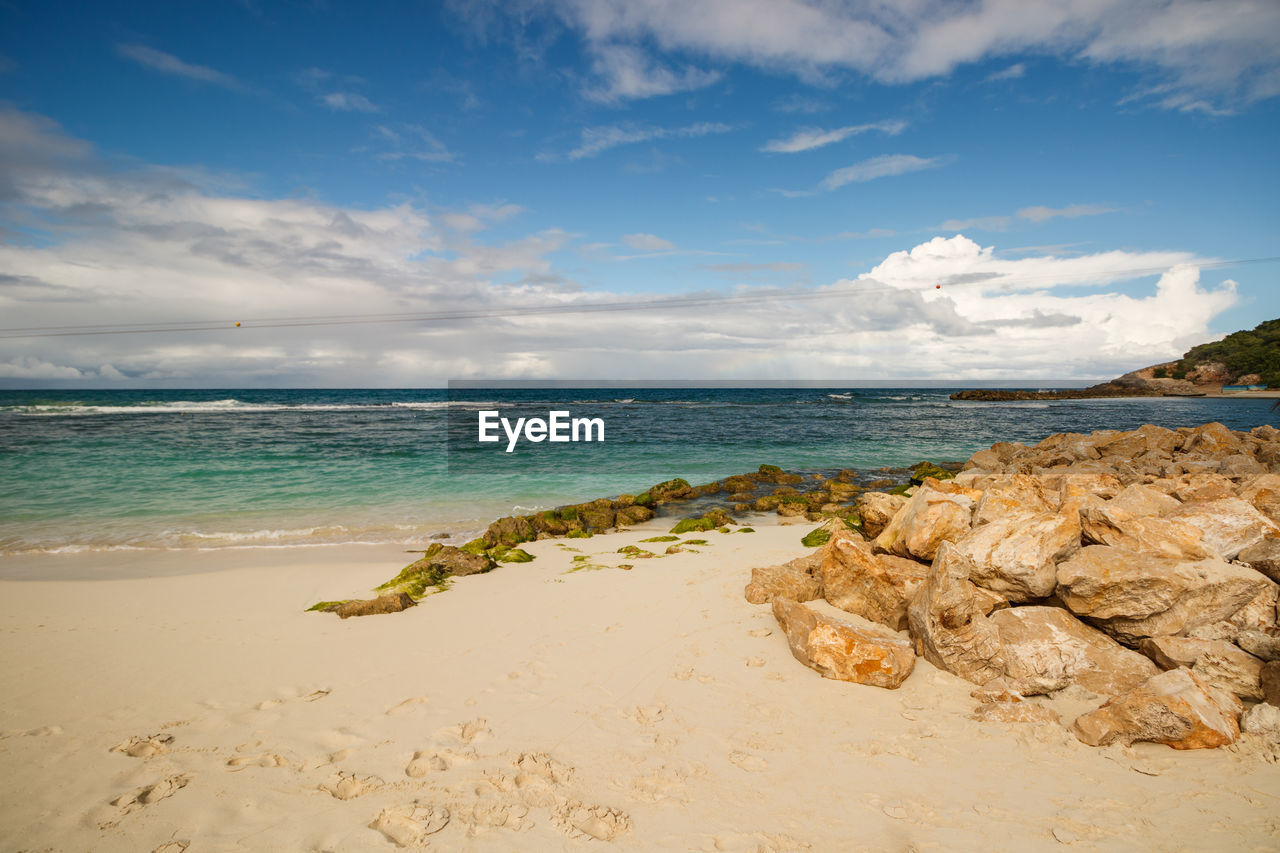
pixel 1072 174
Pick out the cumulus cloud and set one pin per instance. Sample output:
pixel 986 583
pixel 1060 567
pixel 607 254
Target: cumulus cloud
pixel 810 138
pixel 1197 54
pixel 398 296
pixel 167 63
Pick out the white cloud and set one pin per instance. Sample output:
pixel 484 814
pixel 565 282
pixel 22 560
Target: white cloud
pixel 1216 52
pixel 628 73
pixel 884 166
pixel 1013 72
pixel 160 247
pixel 807 139
pixel 1072 211
pixel 648 243
pixel 349 102
pixel 413 142
pixel 167 63
pixel 598 139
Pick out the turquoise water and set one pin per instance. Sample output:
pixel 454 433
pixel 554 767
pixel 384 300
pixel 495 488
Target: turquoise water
pixel 207 469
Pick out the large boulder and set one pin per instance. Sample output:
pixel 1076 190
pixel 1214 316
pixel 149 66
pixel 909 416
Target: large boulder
pixel 1175 708
pixel 509 531
pixel 1217 662
pixel 1264 645
pixel 392 602
pixel 1264 557
pixel 1047 649
pixel 1131 595
pixel 931 517
pixel 1264 720
pixel 877 509
pixel 1212 439
pixel 1203 486
pixel 875 587
pixel 1135 443
pixel 797 580
pixel 844 649
pixel 1270 681
pixel 1012 496
pixel 1017 556
pixel 948 620
pixel 1264 493
pixel 1143 500
pixel 1230 525
pixel 1108 523
pixel 453 561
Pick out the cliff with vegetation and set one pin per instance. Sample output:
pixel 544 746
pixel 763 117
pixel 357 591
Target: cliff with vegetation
pixel 1249 357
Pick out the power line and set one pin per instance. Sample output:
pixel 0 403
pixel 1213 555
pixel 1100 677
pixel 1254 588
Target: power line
pixel 555 310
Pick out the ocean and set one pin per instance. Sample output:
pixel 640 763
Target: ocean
pixel 86 470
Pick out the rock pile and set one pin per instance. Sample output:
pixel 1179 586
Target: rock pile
pixel 1138 566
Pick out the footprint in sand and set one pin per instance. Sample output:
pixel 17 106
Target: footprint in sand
pixel 647 715
pixel 144 746
pixel 468 732
pixel 316 694
pixel 348 786
pixel 268 704
pixel 747 761
pixel 539 777
pixel 760 632
pixel 755 661
pixel 590 823
pixel 269 759
pixel 662 784
pixel 409 825
pixel 406 706
pixel 425 761
pixel 173 847
pixel 138 798
pixel 486 814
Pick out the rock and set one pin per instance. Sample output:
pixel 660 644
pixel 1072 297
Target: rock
pixel 1175 708
pixel 1212 439
pixel 666 491
pixel 1260 612
pixel 457 562
pixel 1012 496
pixel 509 532
pixel 1204 486
pixel 948 622
pixel 1047 649
pixel 633 514
pixel 1263 557
pixel 1230 525
pixel 861 652
pixel 797 580
pixel 1270 682
pixel 1131 595
pixel 1242 467
pixel 1107 523
pixel 1264 493
pixel 1142 501
pixel 931 517
pixel 1262 719
pixel 1263 645
pixel 738 483
pixel 877 509
pixel 878 588
pixel 1217 662
pixel 1080 485
pixel 1017 556
pixel 791 508
pixel 392 602
pixel 1144 439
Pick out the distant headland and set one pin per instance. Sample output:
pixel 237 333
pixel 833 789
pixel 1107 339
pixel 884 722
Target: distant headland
pixel 1244 363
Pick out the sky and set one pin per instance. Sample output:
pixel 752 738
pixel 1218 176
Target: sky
pixel 395 194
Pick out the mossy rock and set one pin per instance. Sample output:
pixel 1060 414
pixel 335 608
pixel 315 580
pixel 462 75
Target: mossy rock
pixel 785 491
pixel 511 555
pixel 568 513
pixel 671 490
pixel 708 489
pixel 744 508
pixel 325 605
pixel 694 542
pixel 767 503
pixel 817 537
pixel 644 499
pixel 673 549
pixel 549 522
pixel 879 484
pixel 746 530
pixel 414 580
pixel 693 525
pixel 789 479
pixel 661 539
pixel 901 490
pixel 633 514
pixel 475 546
pixel 635 552
pixel 772 470
pixel 510 531
pixel 739 483
pixel 927 469
pixel 578 534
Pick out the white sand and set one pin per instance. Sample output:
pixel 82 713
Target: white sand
pixel 675 716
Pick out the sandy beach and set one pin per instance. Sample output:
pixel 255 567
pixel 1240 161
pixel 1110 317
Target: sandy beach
pixel 537 707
